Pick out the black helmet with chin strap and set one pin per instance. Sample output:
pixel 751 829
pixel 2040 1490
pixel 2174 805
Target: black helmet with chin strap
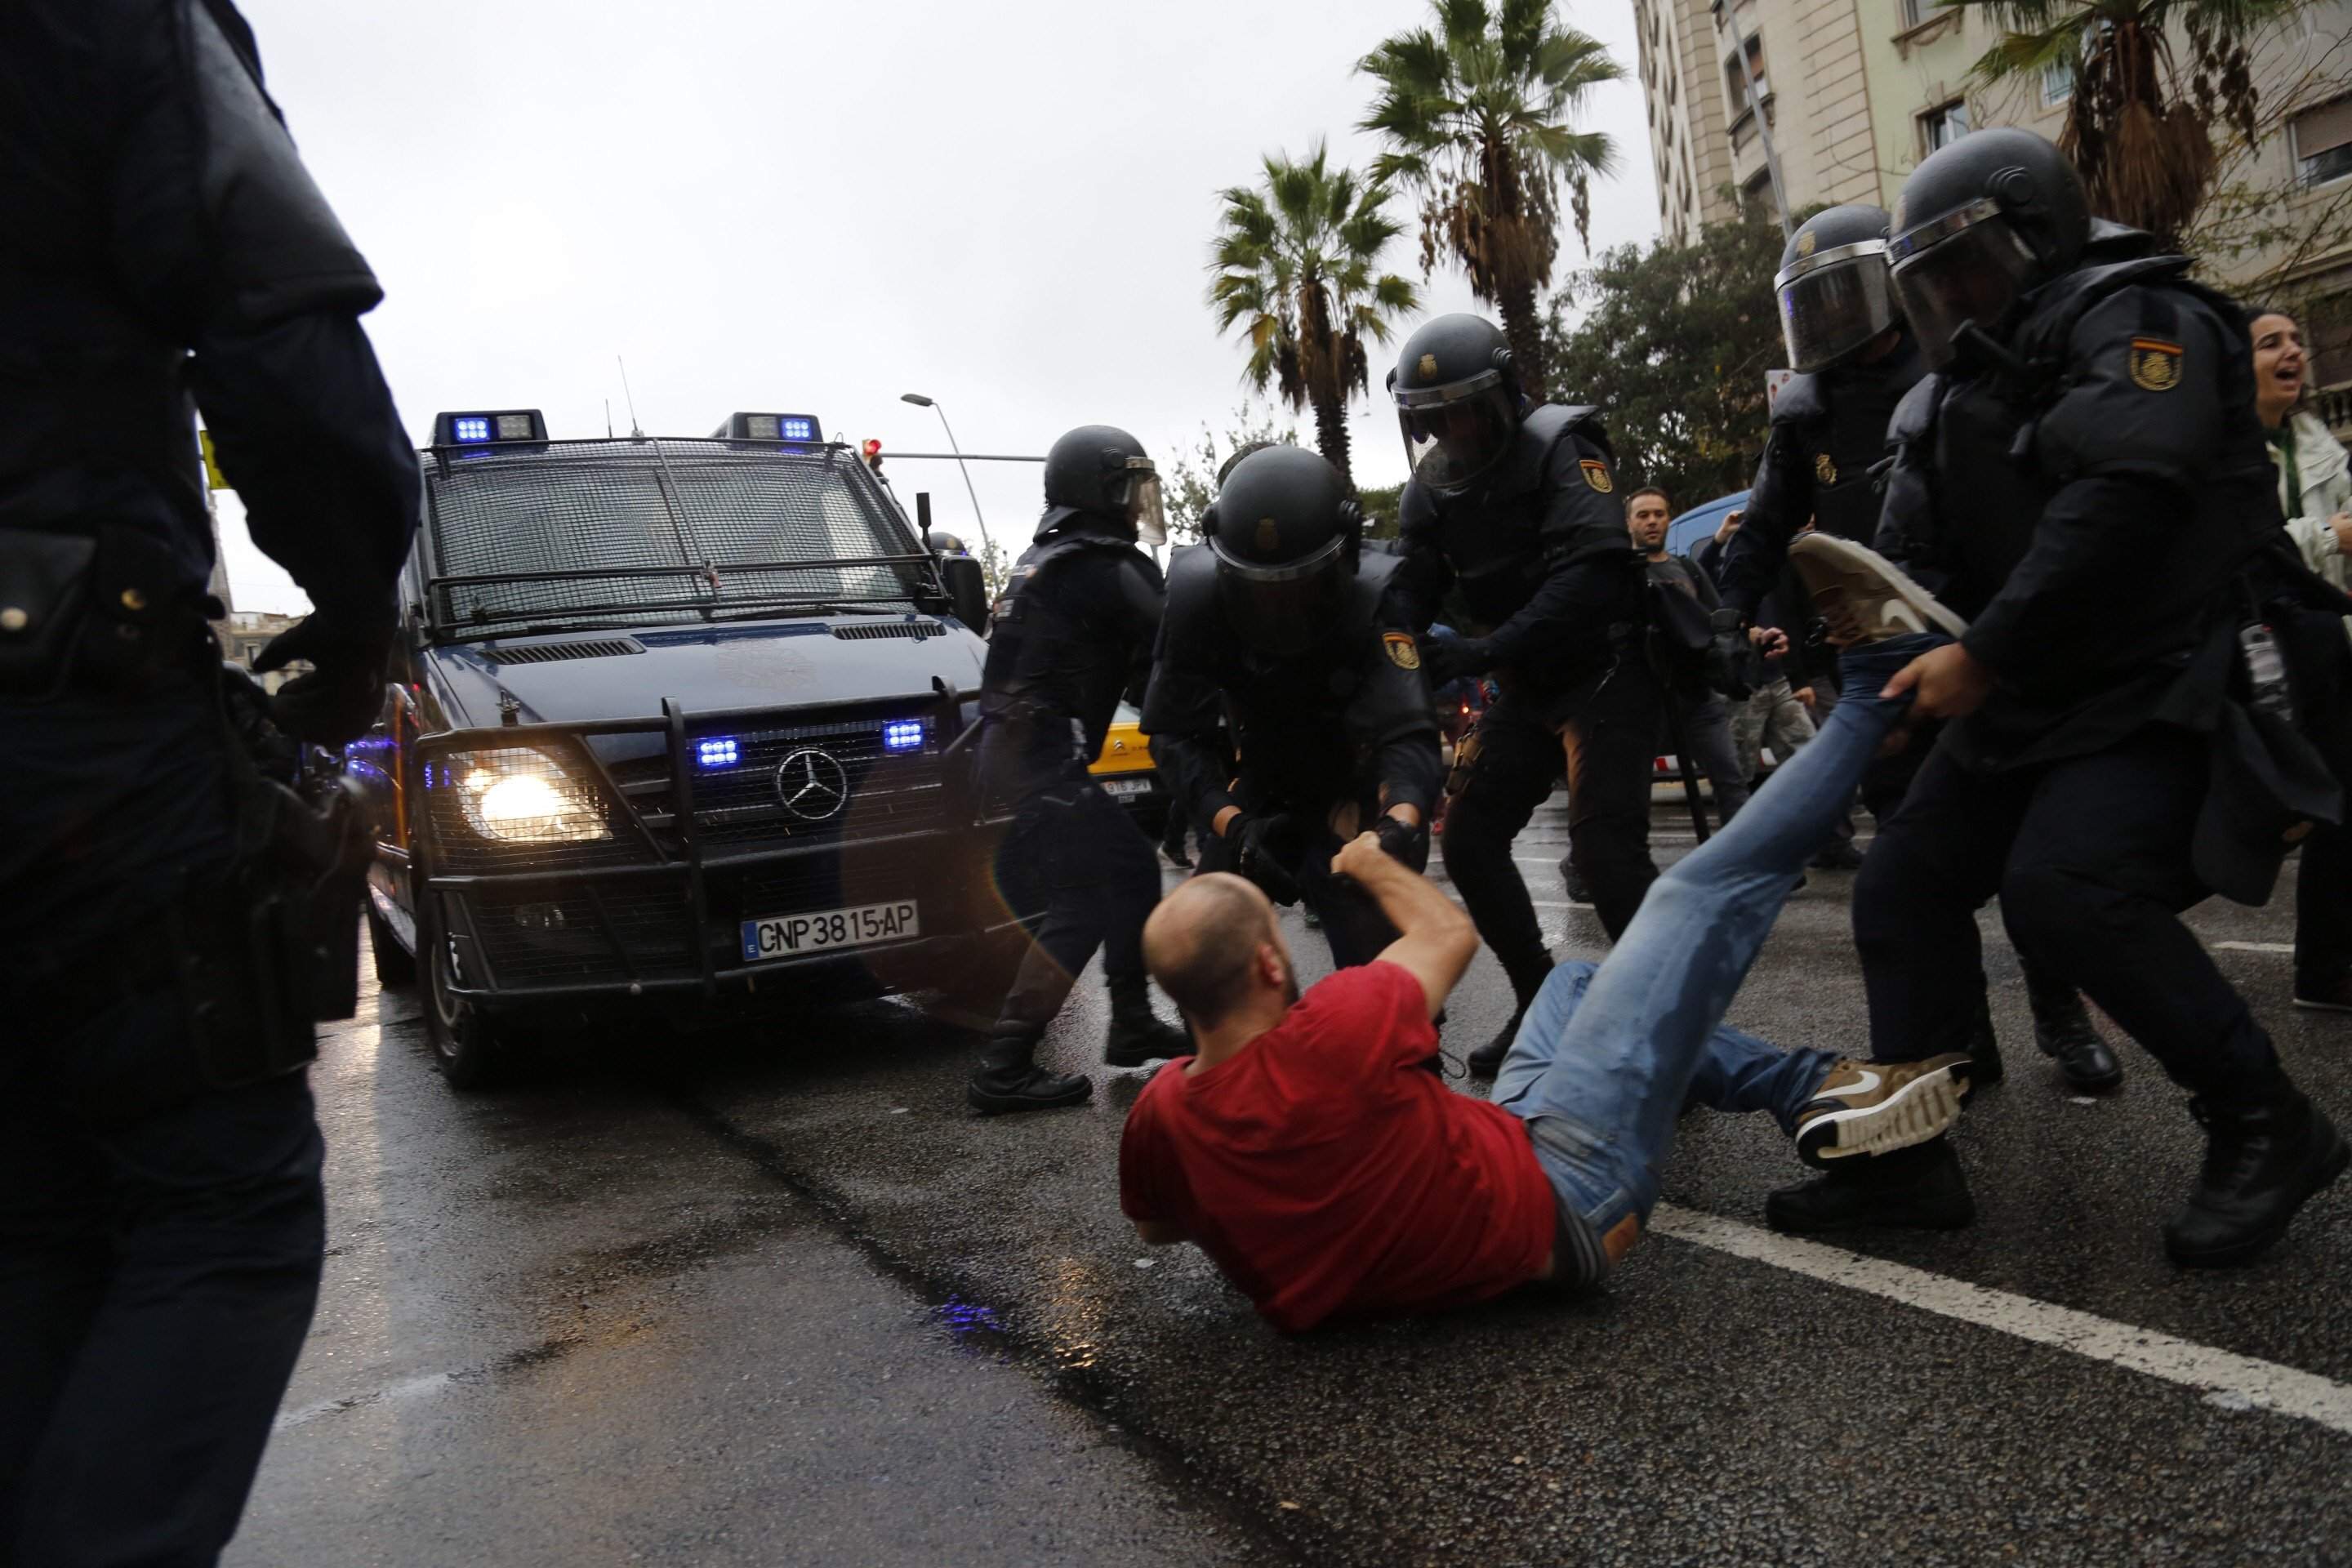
pixel 1287 536
pixel 1102 472
pixel 1457 399
pixel 1980 222
pixel 1836 298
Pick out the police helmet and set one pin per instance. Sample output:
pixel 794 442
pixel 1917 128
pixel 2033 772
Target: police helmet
pixel 1836 297
pixel 1102 471
pixel 943 542
pixel 1457 399
pixel 1287 536
pixel 1979 222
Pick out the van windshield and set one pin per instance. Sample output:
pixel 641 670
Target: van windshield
pixel 643 531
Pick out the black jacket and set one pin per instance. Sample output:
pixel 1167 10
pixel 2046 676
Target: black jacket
pixel 1070 634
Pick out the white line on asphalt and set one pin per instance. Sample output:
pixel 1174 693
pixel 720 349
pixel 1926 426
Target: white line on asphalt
pixel 1556 904
pixel 2257 946
pixel 2231 1381
pixel 395 1395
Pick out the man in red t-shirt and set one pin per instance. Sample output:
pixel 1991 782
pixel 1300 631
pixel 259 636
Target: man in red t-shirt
pixel 1313 1152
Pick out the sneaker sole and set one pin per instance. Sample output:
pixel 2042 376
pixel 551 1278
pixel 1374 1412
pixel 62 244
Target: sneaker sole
pixel 2310 1005
pixel 1835 561
pixel 996 1105
pixel 2247 1251
pixel 1922 1109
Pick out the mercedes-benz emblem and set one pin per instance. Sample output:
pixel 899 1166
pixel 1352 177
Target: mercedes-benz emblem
pixel 813 785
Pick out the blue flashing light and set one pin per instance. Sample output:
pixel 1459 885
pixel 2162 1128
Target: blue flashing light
pixel 471 428
pixel 797 430
pixel 719 751
pixel 902 735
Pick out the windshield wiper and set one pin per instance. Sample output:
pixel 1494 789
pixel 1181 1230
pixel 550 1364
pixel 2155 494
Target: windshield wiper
pixel 830 607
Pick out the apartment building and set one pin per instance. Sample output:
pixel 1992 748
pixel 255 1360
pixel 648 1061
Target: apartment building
pixel 1855 92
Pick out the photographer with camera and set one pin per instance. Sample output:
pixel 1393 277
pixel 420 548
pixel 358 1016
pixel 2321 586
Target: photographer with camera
pixel 169 907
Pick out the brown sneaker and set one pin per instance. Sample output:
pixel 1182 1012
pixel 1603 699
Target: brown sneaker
pixel 1863 596
pixel 1871 1108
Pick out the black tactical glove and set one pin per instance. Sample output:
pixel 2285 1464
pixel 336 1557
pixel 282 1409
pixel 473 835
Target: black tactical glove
pixel 1452 659
pixel 341 695
pixel 1407 846
pixel 1262 844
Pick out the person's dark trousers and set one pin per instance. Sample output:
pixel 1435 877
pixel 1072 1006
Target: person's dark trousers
pixel 1352 923
pixel 1085 877
pixel 157 1276
pixel 1604 748
pixel 2323 912
pixel 1706 733
pixel 2090 859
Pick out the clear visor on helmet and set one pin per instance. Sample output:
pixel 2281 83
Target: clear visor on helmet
pixel 1143 504
pixel 1968 266
pixel 1282 609
pixel 1835 303
pixel 1455 432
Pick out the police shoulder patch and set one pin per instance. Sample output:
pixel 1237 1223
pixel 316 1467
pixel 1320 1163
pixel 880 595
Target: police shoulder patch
pixel 2154 365
pixel 1596 474
pixel 1401 649
pixel 1824 467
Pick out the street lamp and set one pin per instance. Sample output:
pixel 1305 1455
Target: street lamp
pixel 1756 107
pixel 920 401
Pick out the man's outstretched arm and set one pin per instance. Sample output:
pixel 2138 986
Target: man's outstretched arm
pixel 1437 940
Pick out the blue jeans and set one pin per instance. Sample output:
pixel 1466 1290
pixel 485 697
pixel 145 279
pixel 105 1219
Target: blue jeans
pixel 1607 1056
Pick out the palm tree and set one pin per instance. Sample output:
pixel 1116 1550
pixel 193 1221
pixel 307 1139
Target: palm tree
pixel 2140 125
pixel 1294 261
pixel 1478 115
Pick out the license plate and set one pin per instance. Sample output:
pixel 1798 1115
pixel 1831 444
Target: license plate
pixel 1122 789
pixel 821 931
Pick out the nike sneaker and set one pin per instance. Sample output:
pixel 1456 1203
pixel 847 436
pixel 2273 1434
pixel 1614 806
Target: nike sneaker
pixel 1873 1108
pixel 1863 596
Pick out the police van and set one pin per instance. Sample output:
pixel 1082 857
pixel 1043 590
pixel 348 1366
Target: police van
pixel 675 725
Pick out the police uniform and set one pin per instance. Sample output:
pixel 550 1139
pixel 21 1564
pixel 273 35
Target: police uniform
pixel 1071 633
pixel 1540 555
pixel 2086 490
pixel 161 1237
pixel 1338 730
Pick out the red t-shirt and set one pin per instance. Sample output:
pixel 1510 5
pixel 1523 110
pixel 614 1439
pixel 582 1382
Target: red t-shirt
pixel 1328 1170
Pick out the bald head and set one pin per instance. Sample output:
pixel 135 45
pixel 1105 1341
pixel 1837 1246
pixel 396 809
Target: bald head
pixel 1204 943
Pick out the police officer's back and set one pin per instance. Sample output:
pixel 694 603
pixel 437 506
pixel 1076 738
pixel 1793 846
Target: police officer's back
pixel 163 245
pixel 1072 633
pixel 1512 507
pixel 1285 625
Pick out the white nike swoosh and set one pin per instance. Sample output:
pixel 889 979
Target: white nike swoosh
pixel 1870 1080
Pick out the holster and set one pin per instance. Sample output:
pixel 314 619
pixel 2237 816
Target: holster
pixel 100 610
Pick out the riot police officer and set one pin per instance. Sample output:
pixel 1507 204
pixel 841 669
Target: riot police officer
pixel 1855 357
pixel 1513 504
pixel 2085 475
pixel 1072 632
pixel 161 1212
pixel 1285 626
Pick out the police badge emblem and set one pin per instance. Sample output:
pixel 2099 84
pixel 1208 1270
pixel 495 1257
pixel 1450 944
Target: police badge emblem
pixel 1824 469
pixel 1400 649
pixel 2154 365
pixel 1805 243
pixel 1269 535
pixel 1429 367
pixel 1596 474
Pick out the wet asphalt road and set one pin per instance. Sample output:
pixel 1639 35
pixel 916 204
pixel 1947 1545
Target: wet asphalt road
pixel 785 1300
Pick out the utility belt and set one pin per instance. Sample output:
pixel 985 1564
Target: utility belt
pixel 106 611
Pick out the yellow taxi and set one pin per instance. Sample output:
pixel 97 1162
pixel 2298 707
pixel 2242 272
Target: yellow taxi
pixel 1125 771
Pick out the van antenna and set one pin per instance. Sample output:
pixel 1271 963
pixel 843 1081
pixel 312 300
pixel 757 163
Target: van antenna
pixel 608 419
pixel 637 431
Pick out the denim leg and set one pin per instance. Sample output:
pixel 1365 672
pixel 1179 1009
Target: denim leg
pixel 1630 1046
pixel 1541 1032
pixel 1738 1072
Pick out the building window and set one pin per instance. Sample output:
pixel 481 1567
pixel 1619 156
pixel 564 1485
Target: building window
pixel 2057 83
pixel 2323 141
pixel 1915 11
pixel 1737 85
pixel 1942 127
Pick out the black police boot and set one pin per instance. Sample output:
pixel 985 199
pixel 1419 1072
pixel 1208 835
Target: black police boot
pixel 1487 1059
pixel 1838 855
pixel 2263 1156
pixel 1579 890
pixel 1918 1188
pixel 1137 1034
pixel 1007 1080
pixel 1983 1046
pixel 2062 1028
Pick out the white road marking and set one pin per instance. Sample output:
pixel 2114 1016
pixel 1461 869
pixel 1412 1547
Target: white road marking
pixel 2286 947
pixel 1556 904
pixel 396 1393
pixel 2231 1381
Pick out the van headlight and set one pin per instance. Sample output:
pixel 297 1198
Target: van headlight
pixel 521 796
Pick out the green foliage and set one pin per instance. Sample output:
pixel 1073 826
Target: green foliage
pixel 1673 341
pixel 1380 506
pixel 1294 265
pixel 1191 480
pixel 1479 114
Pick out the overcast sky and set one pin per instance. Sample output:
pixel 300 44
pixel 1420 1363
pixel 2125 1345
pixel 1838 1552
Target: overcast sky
pixel 815 208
